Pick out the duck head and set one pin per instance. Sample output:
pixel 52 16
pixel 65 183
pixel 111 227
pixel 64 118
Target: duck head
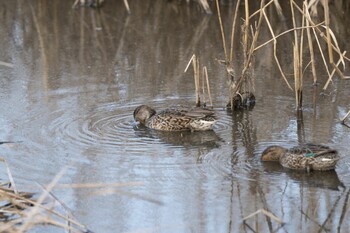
pixel 273 153
pixel 143 113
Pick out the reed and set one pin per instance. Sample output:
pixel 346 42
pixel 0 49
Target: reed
pixel 20 212
pixel 205 80
pixel 222 31
pixel 309 39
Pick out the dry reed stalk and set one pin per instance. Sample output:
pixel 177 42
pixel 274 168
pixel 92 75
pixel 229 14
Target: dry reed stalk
pixel 266 213
pixel 283 33
pixel 126 3
pixel 333 71
pixel 36 209
pixel 297 79
pixel 9 174
pixel 260 9
pixel 195 63
pixel 251 51
pixel 208 85
pixel 326 40
pixel 34 203
pixel 233 31
pixel 197 74
pixel 275 50
pixel 321 52
pixel 222 30
pixel 346 116
pixel 246 28
pixel 297 54
pixel 311 47
pixel 203 89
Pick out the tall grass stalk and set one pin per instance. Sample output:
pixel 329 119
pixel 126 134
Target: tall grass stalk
pixel 311 47
pixel 275 50
pixel 233 30
pixel 222 31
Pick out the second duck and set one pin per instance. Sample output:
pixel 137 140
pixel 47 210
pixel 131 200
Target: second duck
pixel 176 119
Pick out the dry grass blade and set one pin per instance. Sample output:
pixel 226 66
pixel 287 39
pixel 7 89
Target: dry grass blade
pixel 203 89
pixel 321 52
pixel 233 30
pixel 36 209
pixel 189 62
pixel 222 30
pixel 251 50
pixel 296 77
pixel 265 212
pixel 346 116
pixel 311 47
pixel 208 85
pixel 333 72
pixel 246 27
pixel 9 174
pixel 283 33
pixel 260 9
pixel 275 50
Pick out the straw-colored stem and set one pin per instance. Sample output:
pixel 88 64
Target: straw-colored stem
pixel 275 50
pixel 346 115
pixel 311 47
pixel 298 90
pixel 222 30
pixel 333 71
pixel 233 30
pixel 9 174
pixel 325 39
pixel 321 52
pixel 203 89
pixel 208 85
pixel 283 33
pixel 329 41
pixel 246 28
pixel 251 51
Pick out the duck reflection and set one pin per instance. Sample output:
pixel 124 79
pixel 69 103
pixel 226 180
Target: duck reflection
pixel 316 179
pixel 206 139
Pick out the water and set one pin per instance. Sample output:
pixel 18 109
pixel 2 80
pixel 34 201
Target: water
pixel 77 76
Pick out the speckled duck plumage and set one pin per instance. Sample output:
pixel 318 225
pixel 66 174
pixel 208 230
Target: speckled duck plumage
pixel 304 157
pixel 175 119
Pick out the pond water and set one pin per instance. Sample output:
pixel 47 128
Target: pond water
pixel 71 79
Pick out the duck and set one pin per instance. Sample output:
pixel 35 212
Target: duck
pixel 303 157
pixel 176 118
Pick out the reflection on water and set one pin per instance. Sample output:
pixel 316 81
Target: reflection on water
pixel 208 139
pixel 75 77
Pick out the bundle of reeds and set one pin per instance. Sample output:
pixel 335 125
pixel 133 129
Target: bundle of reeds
pixel 205 80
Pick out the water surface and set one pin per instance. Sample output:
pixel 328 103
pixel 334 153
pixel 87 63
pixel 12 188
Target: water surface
pixel 74 77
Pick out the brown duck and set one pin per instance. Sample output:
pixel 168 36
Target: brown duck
pixel 176 119
pixel 305 157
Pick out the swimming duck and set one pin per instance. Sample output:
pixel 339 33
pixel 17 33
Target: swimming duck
pixel 304 157
pixel 175 119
